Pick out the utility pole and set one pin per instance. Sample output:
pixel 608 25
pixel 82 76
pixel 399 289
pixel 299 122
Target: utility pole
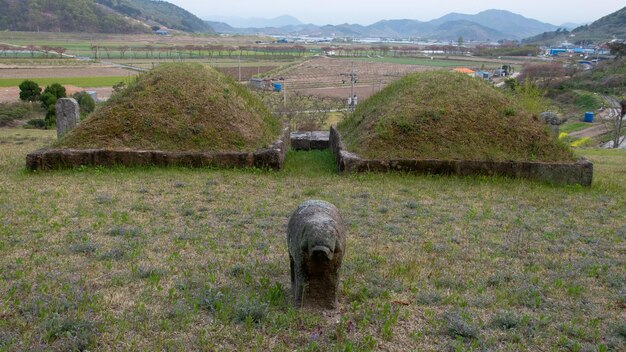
pixel 353 79
pixel 239 66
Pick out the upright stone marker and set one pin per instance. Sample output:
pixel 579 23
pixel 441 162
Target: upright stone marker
pixel 68 114
pixel 552 120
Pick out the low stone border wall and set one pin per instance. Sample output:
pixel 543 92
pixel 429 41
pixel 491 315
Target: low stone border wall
pixel 63 158
pixel 580 172
pixel 310 140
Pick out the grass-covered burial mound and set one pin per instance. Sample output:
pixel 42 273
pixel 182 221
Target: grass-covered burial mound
pixel 451 116
pixel 178 107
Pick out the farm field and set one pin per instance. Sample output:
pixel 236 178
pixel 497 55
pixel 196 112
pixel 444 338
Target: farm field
pixel 180 259
pixel 323 76
pixel 84 82
pixel 426 61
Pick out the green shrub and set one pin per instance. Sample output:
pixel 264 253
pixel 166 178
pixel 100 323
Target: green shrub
pixel 37 123
pixel 587 101
pixel 56 89
pixel 29 91
pixel 49 99
pixel 530 98
pixel 86 103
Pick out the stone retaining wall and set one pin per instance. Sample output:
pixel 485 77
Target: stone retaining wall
pixel 62 158
pixel 580 172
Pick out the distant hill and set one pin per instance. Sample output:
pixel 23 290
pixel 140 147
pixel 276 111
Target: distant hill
pixel 487 25
pixel 467 30
pixel 514 26
pixel 571 25
pixel 239 22
pixel 392 28
pixel 65 16
pixel 96 16
pixel 159 13
pixel 221 27
pixel 607 28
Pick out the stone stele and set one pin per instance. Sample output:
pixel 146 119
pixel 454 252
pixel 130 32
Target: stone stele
pixel 67 115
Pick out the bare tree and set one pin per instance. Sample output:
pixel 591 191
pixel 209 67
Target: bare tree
pixel 149 49
pixel 32 50
pixel 618 124
pixel 543 74
pixel 302 112
pixel 618 49
pixel 123 49
pixel 190 49
pixel 94 49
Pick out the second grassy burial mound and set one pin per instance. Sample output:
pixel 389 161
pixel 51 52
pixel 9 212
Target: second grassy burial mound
pixel 179 107
pixel 446 115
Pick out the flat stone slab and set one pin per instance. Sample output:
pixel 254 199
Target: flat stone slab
pixel 272 157
pixel 310 140
pixel 579 172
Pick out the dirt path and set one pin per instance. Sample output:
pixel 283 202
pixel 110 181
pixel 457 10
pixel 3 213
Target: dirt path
pixel 594 131
pixel 611 111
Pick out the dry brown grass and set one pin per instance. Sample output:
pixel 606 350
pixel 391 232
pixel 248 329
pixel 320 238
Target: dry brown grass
pixel 448 115
pixel 179 107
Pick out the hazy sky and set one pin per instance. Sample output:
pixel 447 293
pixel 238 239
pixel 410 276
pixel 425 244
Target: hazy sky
pixel 367 12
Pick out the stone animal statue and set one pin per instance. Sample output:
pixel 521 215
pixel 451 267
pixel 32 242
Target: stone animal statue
pixel 316 238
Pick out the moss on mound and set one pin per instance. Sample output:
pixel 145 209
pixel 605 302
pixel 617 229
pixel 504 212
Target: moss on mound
pixel 447 115
pixel 179 107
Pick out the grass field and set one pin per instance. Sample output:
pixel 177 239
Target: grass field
pixel 180 259
pixel 106 81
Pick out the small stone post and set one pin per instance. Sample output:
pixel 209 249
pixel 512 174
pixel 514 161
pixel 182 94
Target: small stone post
pixel 67 115
pixel 552 120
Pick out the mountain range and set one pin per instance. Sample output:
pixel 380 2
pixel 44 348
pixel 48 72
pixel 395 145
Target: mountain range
pixel 489 25
pixel 141 16
pixel 240 22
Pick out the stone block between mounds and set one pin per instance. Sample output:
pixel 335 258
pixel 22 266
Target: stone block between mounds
pixel 310 140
